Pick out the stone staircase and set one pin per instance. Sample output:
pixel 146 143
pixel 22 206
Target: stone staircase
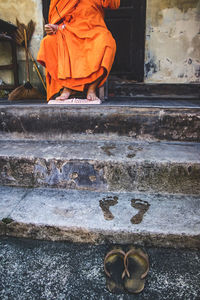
pixel 101 174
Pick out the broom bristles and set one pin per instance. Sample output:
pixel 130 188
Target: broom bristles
pixel 30 30
pixel 24 92
pixel 19 34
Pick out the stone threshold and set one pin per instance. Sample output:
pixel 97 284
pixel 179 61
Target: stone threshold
pixel 58 122
pixel 93 217
pixel 139 101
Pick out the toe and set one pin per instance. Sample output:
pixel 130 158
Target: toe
pixel 89 97
pixel 64 96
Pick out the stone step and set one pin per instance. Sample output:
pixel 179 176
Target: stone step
pixel 102 165
pixel 146 121
pixel 93 217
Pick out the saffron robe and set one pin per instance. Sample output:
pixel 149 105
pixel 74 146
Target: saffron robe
pixel 81 52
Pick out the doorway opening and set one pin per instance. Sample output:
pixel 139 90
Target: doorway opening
pixel 127 25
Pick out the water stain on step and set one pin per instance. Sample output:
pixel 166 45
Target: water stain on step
pixel 107 149
pixel 131 155
pixel 142 206
pixel 105 204
pixel 133 151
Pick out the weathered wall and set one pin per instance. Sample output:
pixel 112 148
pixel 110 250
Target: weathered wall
pixel 173 41
pixel 172 38
pixel 24 10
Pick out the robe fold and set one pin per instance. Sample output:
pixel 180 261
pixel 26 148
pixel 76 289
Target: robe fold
pixel 81 52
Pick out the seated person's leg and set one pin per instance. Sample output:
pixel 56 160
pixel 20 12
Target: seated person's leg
pixel 91 93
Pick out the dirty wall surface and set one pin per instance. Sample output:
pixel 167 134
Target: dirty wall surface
pixel 172 41
pixel 24 10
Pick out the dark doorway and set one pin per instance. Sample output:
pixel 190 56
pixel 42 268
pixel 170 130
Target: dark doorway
pixel 45 10
pixel 127 25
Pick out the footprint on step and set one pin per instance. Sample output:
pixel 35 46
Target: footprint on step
pixel 142 206
pixel 105 204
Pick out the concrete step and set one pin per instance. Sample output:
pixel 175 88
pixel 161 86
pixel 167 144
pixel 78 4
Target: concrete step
pixel 44 270
pixel 93 217
pixel 146 121
pixel 102 165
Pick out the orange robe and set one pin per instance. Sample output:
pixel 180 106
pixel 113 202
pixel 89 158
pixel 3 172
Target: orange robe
pixel 81 52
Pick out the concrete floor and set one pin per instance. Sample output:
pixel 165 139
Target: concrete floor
pixel 47 271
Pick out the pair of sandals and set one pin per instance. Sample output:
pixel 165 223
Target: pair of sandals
pixel 126 272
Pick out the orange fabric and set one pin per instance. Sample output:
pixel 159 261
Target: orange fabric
pixel 83 51
pixel 61 9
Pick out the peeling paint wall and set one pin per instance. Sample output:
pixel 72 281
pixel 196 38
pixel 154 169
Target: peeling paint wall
pixel 172 41
pixel 24 10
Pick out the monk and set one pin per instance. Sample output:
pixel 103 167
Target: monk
pixel 79 50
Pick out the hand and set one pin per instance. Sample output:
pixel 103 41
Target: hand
pixel 51 28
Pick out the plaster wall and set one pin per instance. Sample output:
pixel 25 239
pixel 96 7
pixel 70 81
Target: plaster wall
pixel 172 41
pixel 24 11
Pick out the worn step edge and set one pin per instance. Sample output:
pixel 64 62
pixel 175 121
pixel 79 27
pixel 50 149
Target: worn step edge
pixel 55 123
pixel 77 216
pixel 79 235
pixel 100 166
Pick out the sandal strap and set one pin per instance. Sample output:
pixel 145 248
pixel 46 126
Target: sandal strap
pixel 141 254
pixel 114 251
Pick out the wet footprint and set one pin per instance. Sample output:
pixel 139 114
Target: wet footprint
pixel 105 204
pixel 133 151
pixel 107 149
pixel 142 206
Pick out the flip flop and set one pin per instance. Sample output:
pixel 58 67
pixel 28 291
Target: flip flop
pixel 114 269
pixel 136 264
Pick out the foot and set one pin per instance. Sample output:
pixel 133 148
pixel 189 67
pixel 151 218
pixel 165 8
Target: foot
pixel 66 93
pixel 105 204
pixel 91 94
pixel 142 206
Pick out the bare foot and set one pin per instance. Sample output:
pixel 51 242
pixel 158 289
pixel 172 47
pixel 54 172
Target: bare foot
pixel 91 94
pixel 65 94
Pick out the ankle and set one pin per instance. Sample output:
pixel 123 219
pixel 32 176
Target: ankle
pixel 66 90
pixel 92 90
